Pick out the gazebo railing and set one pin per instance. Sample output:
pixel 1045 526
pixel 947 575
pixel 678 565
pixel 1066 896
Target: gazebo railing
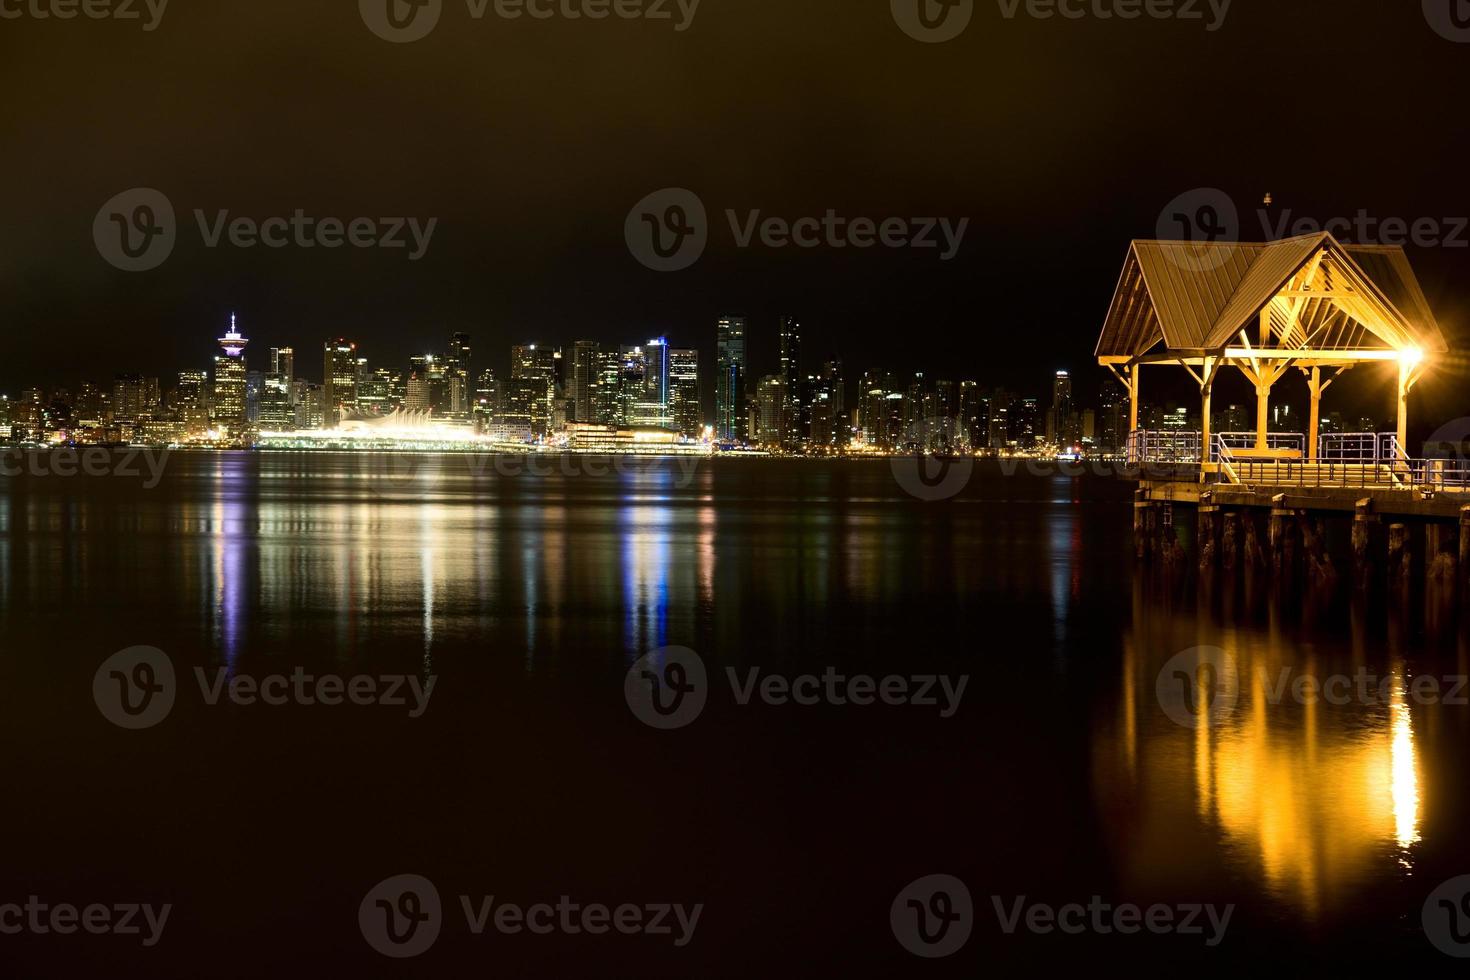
pixel 1164 446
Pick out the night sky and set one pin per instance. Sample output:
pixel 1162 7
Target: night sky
pixel 529 141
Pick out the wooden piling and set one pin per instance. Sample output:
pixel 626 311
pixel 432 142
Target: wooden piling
pixel 1464 543
pixel 1208 536
pixel 1231 543
pixel 1367 533
pixel 1399 556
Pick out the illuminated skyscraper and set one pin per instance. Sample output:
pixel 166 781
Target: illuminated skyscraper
pixel 730 414
pixel 686 413
pixel 535 367
pixel 228 405
pixel 583 381
pixel 794 414
pixel 339 380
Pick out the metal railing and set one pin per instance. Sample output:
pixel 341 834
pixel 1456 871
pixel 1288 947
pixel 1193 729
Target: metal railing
pixel 1356 461
pixel 1164 446
pixel 1241 443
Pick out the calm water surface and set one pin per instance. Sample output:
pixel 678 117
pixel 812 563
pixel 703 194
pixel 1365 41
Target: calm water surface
pixel 528 596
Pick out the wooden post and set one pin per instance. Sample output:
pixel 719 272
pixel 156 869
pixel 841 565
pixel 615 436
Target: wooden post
pixel 1398 555
pixel 1405 379
pixel 1464 543
pixel 1135 373
pixel 1366 528
pixel 1314 433
pixel 1209 536
pixel 1439 558
pixel 1142 522
pixel 1280 517
pixel 1230 549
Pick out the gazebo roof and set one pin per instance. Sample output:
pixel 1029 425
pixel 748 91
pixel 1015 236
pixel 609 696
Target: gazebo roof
pixel 1197 298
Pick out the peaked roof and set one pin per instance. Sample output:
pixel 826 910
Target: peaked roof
pixel 1196 297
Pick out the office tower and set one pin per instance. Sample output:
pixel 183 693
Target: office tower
pixel 228 404
pixel 686 413
pixel 633 385
pixel 730 415
pixel 283 362
pixel 607 397
pixel 1026 423
pixel 1058 419
pixel 417 394
pixel 487 400
pixel 536 367
pixel 376 393
pixel 583 382
pixel 794 416
pixel 773 402
pixel 339 381
pixel 127 398
pixel 1000 418
pixel 653 409
pixel 459 393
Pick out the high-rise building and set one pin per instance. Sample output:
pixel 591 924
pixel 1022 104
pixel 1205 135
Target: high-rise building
pixel 730 415
pixel 974 417
pixel 582 384
pixel 535 365
pixel 772 400
pixel 1059 420
pixel 459 393
pixel 228 404
pixel 794 415
pixel 1112 416
pixel 685 409
pixel 339 380
pixel 653 407
pixel 607 398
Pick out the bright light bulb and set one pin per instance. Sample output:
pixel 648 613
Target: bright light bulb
pixel 1412 356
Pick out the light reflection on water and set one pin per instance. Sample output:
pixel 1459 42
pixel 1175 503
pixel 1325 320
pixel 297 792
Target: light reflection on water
pixel 1321 802
pixel 1323 807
